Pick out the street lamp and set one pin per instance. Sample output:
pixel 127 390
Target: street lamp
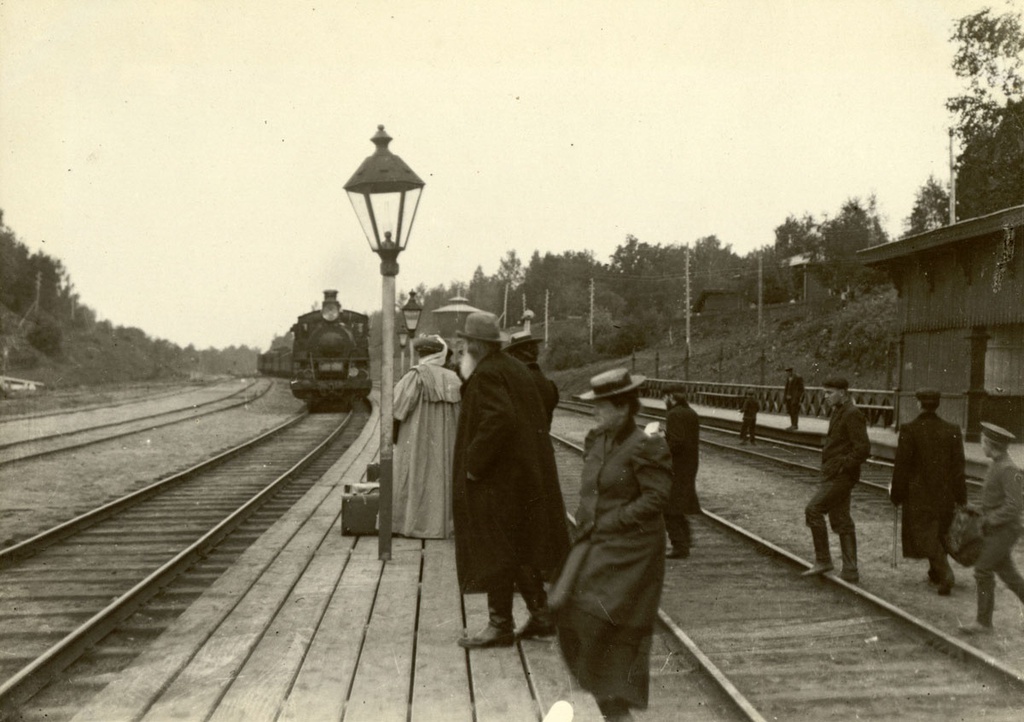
pixel 403 339
pixel 385 194
pixel 411 310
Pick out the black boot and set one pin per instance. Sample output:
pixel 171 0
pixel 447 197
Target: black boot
pixel 848 546
pixel 540 623
pixel 499 631
pixel 822 555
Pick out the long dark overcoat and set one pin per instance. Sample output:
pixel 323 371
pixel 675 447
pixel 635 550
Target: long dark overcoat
pixel 511 513
pixel 928 480
pixel 623 495
pixel 547 388
pixel 682 432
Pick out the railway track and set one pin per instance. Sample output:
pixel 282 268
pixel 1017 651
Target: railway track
pixel 780 646
pixel 70 587
pixel 38 445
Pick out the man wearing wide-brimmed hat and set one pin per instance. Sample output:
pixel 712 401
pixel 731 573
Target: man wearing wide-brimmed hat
pixel 426 417
pixel 928 480
pixel 1001 526
pixel 846 448
pixel 510 523
pixel 526 348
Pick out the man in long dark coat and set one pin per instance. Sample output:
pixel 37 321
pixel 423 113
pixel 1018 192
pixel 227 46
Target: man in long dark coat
pixel 524 347
pixel 682 432
pixel 510 522
pixel 928 480
pixel 792 395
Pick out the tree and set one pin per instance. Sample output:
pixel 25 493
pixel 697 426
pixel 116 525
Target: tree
pixel 931 209
pixel 855 227
pixel 797 236
pixel 990 112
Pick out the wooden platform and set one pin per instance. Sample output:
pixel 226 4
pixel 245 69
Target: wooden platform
pixel 310 625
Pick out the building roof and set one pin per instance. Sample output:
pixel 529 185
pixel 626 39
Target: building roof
pixel 970 228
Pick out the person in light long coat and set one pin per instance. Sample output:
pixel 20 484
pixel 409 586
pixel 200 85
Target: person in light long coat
pixel 606 625
pixel 426 418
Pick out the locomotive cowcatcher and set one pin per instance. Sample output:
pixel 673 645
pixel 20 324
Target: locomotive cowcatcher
pixel 331 356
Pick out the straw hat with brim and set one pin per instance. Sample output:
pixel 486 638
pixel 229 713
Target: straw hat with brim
pixel 482 326
pixel 521 339
pixel 428 344
pixel 996 434
pixel 612 383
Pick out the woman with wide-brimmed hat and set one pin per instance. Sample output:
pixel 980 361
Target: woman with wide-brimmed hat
pixel 606 622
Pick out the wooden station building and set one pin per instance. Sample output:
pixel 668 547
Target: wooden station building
pixel 960 318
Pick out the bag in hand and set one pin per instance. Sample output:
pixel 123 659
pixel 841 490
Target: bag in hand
pixel 964 538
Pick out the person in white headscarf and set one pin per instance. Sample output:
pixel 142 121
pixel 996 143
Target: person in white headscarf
pixel 426 414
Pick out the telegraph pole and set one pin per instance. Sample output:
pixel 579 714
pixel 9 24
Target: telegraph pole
pixel 686 358
pixel 952 181
pixel 547 298
pixel 591 312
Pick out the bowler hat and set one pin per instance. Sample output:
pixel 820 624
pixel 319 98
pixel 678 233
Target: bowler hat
pixel 520 339
pixel 611 383
pixel 482 326
pixel 996 434
pixel 928 395
pixel 837 383
pixel 789 368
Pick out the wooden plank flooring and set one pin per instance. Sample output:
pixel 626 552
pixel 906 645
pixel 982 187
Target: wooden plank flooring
pixel 310 625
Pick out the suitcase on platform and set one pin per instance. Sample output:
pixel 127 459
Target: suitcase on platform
pixel 360 509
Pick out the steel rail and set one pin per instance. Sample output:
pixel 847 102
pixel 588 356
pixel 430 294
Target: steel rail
pixel 69 447
pixel 35 675
pixel 109 424
pixel 34 544
pixel 946 642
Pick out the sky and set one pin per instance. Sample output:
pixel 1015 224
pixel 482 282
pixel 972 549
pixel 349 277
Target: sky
pixel 186 160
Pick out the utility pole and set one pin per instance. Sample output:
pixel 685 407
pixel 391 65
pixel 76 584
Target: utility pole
pixel 760 295
pixel 952 181
pixel 591 312
pixel 547 298
pixel 686 358
pixel 504 310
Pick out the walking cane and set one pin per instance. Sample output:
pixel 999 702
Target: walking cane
pixel 895 522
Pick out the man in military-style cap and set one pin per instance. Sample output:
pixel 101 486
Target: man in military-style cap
pixel 526 348
pixel 846 448
pixel 1001 525
pixel 510 523
pixel 928 480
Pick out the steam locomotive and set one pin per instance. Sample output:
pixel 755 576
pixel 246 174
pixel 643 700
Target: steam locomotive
pixel 329 361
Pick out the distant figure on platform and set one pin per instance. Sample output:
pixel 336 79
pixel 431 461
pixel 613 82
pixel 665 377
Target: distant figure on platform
pixel 749 408
pixel 510 522
pixel 928 480
pixel 682 432
pixel 525 348
pixel 605 626
pixel 846 448
pixel 1001 525
pixel 792 396
pixel 426 417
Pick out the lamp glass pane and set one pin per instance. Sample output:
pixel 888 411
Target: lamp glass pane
pixel 364 212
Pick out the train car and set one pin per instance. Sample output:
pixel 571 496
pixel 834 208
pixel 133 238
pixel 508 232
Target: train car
pixel 276 362
pixel 330 356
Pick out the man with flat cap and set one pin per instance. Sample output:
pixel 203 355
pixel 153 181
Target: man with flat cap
pixel 682 432
pixel 1001 526
pixel 510 523
pixel 928 481
pixel 846 448
pixel 525 348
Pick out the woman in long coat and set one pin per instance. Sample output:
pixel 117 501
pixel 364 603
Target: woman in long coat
pixel 606 625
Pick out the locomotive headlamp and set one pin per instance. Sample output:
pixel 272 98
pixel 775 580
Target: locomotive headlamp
pixel 385 193
pixel 330 312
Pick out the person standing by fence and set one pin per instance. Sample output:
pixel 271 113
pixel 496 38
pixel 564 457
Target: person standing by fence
pixel 682 432
pixel 792 396
pixel 749 408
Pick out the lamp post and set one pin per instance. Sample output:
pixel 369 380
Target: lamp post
pixel 411 311
pixel 385 194
pixel 403 339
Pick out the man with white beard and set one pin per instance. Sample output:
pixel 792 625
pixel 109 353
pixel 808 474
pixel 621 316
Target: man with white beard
pixel 510 522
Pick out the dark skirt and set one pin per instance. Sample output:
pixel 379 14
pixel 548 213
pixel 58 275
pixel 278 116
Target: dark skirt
pixel 609 661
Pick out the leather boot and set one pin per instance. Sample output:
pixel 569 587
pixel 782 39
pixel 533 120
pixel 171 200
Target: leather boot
pixel 822 555
pixel 499 630
pixel 848 546
pixel 541 623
